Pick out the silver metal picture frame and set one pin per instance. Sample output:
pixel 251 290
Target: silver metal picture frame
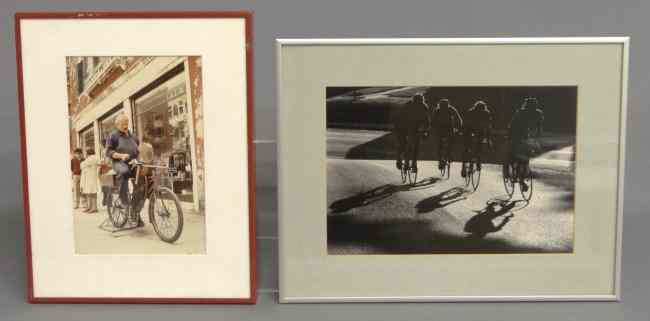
pixel 381 146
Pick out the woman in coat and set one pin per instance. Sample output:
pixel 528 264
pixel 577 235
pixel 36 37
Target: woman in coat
pixel 89 180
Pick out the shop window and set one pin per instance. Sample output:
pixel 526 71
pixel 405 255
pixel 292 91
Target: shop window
pixel 161 123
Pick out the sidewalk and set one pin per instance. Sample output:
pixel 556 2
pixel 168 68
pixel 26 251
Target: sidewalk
pixel 90 239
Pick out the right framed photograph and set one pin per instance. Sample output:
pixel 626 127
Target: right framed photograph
pixel 456 169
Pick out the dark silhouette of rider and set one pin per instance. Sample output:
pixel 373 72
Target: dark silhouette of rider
pixel 525 124
pixel 447 122
pixel 477 127
pixel 412 119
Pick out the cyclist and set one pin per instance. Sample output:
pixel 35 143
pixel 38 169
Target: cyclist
pixel 121 147
pixel 476 129
pixel 447 122
pixel 525 124
pixel 412 118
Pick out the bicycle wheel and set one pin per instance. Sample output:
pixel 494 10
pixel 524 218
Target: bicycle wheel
pixel 476 175
pixel 166 214
pixel 117 215
pixel 528 179
pixel 412 176
pixel 508 175
pixel 443 168
pixel 467 169
pixel 448 169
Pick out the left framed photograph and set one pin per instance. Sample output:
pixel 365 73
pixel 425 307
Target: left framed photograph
pixel 137 157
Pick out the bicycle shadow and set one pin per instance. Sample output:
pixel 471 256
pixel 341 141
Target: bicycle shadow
pixel 483 222
pixel 377 194
pixel 448 197
pixel 520 203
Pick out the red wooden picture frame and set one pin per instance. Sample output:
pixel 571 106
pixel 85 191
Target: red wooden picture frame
pixel 248 18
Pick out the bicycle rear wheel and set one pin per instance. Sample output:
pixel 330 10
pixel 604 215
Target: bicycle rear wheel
pixel 475 175
pixel 116 214
pixel 508 175
pixel 528 179
pixel 166 214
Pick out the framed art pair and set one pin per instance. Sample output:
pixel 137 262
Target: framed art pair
pixel 447 169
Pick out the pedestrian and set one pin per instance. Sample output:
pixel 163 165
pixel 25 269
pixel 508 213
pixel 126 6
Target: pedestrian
pixel 75 166
pixel 89 178
pixel 106 175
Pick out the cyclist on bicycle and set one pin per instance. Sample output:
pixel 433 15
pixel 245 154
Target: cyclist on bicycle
pixel 525 124
pixel 412 119
pixel 477 128
pixel 447 122
pixel 121 147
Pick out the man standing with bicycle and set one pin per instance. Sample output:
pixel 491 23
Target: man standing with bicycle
pixel 121 147
pixel 476 130
pixel 447 122
pixel 525 125
pixel 412 119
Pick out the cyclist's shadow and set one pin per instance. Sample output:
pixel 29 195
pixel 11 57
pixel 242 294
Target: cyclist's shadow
pixel 450 196
pixel 376 194
pixel 483 222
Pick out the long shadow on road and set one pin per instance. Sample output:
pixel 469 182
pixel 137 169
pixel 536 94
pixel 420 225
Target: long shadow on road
pixel 420 236
pixel 376 194
pixel 408 236
pixel 450 196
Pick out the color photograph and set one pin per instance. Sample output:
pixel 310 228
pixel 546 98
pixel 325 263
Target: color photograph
pixel 136 137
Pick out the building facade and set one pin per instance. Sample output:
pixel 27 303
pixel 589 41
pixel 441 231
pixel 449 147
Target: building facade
pixel 162 97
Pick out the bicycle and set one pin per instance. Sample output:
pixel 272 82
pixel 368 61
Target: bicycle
pixel 472 166
pixel 406 171
pixel 444 148
pixel 518 172
pixel 164 208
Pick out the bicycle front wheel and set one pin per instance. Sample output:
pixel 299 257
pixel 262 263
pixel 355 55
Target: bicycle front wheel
pixel 404 172
pixel 467 173
pixel 413 176
pixel 166 214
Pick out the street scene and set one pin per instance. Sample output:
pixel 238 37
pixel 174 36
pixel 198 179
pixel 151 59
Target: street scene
pixel 374 209
pixel 94 234
pixel 136 154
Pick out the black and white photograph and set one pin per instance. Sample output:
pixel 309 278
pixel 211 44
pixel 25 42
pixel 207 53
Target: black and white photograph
pixel 436 170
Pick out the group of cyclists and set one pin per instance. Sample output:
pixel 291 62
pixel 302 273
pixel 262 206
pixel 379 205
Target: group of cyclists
pixel 417 119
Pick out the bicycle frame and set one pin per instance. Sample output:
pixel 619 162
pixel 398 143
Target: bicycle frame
pixel 151 182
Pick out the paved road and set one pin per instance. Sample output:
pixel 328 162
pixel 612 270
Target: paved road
pixel 89 239
pixel 371 211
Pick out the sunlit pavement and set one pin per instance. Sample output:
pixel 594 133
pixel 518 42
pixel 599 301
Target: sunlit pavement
pixel 91 239
pixel 371 211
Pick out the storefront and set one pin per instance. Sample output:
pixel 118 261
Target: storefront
pixel 158 103
pixel 162 119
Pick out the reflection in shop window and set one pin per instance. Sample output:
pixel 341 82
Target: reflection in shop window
pixel 162 120
pixel 87 140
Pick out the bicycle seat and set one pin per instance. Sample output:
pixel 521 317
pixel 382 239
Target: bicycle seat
pixel 135 162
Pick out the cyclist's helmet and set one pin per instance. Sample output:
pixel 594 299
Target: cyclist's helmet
pixel 480 105
pixel 530 102
pixel 443 103
pixel 418 98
